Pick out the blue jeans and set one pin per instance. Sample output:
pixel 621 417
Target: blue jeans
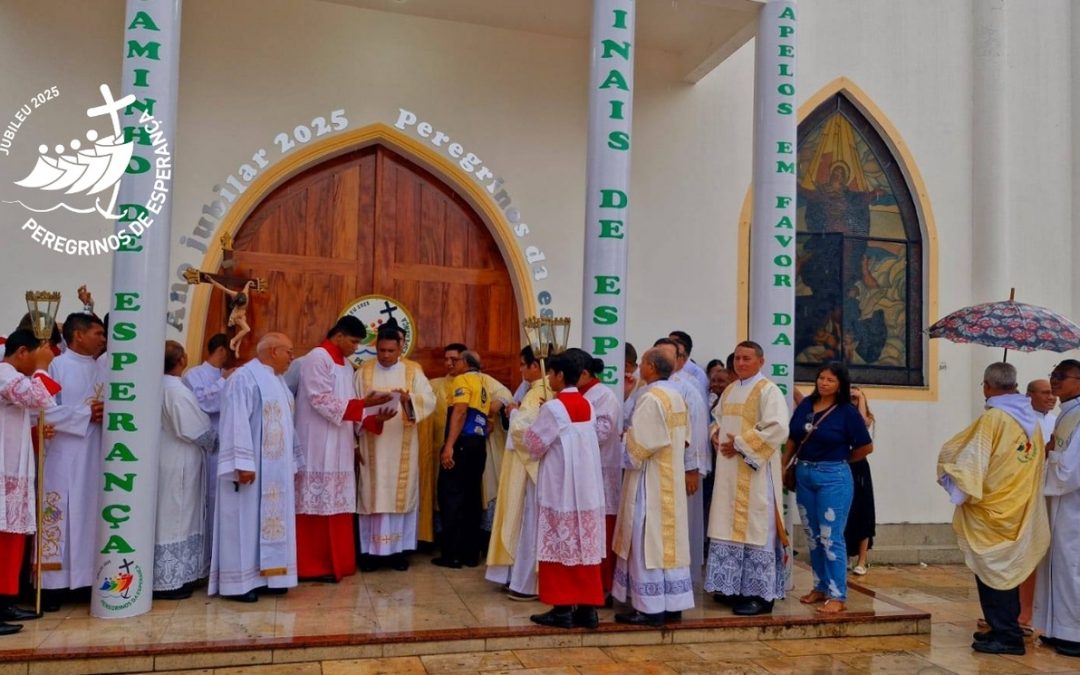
pixel 823 491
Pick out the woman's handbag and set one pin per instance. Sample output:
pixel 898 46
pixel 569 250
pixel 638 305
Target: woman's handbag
pixel 811 427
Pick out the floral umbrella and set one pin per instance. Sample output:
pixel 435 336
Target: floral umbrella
pixel 1010 325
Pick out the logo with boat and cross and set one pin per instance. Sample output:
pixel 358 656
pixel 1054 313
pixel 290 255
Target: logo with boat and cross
pixel 374 311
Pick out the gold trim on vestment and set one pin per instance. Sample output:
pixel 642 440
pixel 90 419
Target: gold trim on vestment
pixel 636 450
pixel 274 572
pixel 760 448
pixel 667 479
pixel 731 409
pixel 751 410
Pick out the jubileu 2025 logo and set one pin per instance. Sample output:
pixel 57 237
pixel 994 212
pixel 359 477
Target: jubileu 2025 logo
pixel 62 164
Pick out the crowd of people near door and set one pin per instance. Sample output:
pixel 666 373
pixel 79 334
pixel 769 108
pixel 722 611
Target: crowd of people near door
pixel 569 491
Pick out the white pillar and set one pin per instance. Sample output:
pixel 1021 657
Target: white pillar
pixel 611 85
pixel 132 429
pixel 772 230
pixel 990 278
pixel 1074 77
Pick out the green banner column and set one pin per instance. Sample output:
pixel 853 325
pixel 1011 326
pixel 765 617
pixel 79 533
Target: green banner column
pixel 137 306
pixel 611 84
pixel 772 230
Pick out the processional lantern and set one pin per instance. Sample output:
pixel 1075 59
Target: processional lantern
pixel 43 306
pixel 547 336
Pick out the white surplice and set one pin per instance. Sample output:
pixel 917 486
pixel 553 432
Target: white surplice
pixel 207 383
pixel 388 485
pixel 1057 581
pixel 326 485
pixel 698 458
pixel 19 395
pixel 180 536
pixel 73 470
pixel 255 524
pixel 569 493
pixel 699 377
pixel 607 409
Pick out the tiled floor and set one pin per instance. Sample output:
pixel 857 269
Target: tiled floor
pixel 431 598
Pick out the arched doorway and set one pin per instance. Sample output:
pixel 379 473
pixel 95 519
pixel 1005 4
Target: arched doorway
pixel 373 222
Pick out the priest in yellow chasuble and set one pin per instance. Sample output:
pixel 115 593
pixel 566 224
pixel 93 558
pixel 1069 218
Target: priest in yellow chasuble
pixel 388 486
pixel 511 558
pixel 652 535
pixel 746 567
pixel 993 471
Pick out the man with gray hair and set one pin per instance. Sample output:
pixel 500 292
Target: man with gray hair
pixel 464 454
pixel 255 523
pixel 993 472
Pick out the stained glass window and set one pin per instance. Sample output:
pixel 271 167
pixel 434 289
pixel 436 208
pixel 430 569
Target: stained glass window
pixel 859 284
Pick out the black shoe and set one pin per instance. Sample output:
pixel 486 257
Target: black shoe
pixel 368 563
pixel 250 596
pixel 521 597
pixel 13 613
pixel 672 617
pixel 182 593
pixel 399 562
pixel 982 635
pixel 609 602
pixel 9 628
pixel 444 562
pixel 471 563
pixel 752 607
pixel 636 618
pixel 995 647
pixel 1044 640
pixel 1067 647
pixel 52 599
pixel 266 590
pixel 324 579
pixel 585 617
pixel 558 617
pixel 729 600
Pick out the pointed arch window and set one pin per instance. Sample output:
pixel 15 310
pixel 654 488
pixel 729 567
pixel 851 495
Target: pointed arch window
pixel 859 282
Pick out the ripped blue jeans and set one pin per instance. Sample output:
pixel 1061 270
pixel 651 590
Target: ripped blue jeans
pixel 823 491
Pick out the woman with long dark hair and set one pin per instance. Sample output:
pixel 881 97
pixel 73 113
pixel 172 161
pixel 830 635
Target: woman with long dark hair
pixel 827 433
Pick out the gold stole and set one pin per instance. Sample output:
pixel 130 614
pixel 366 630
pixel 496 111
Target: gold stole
pixel 407 433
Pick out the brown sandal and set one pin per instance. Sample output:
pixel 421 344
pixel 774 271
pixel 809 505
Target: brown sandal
pixel 813 597
pixel 832 607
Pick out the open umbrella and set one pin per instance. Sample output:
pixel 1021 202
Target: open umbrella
pixel 1009 325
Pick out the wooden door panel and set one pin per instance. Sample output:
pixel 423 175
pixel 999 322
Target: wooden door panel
pixel 371 221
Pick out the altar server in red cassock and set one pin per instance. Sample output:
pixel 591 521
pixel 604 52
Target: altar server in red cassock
pixel 570 497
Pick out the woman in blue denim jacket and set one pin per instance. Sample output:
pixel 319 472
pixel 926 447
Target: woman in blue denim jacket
pixel 827 434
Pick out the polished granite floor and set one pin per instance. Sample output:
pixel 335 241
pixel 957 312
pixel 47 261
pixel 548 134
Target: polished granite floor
pixel 426 598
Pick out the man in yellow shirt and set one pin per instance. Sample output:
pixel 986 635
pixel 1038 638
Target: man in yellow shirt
pixel 463 457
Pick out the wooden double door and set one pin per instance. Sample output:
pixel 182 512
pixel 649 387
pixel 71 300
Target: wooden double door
pixel 373 222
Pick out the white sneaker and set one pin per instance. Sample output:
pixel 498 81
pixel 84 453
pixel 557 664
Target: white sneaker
pixel 859 570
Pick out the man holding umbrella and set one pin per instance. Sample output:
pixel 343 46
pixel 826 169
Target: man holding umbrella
pixel 993 471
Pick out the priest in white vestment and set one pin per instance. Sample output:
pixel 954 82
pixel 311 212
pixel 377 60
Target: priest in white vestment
pixel 327 412
pixel 511 557
pixel 187 437
pixel 696 374
pixel 1057 586
pixel 207 381
pixel 570 501
pixel 651 538
pixel 255 520
pixel 698 458
pixel 388 485
pixel 746 566
pixel 25 387
pixel 608 411
pixel 73 462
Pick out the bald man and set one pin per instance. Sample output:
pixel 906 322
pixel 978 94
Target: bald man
pixel 254 529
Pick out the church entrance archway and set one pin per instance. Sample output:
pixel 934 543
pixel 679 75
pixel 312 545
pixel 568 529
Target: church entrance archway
pixel 373 222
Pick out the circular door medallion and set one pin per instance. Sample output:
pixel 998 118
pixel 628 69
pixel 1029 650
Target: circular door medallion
pixel 374 311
